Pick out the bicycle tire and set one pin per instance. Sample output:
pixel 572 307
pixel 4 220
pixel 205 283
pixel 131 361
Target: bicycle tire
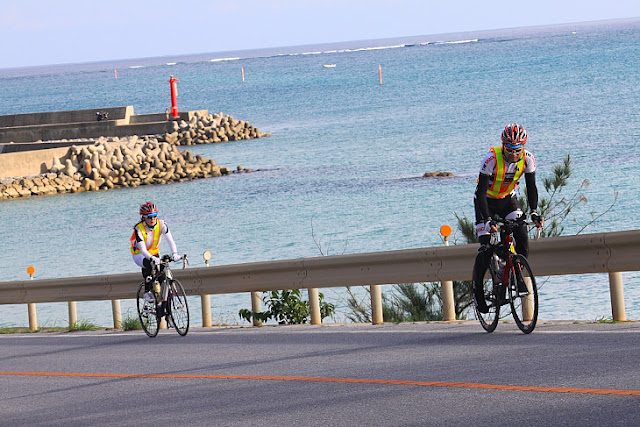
pixel 524 309
pixel 147 313
pixel 178 307
pixel 489 320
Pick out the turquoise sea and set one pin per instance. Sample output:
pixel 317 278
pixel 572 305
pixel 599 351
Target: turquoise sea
pixel 346 155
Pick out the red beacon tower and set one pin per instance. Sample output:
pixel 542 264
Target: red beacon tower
pixel 174 97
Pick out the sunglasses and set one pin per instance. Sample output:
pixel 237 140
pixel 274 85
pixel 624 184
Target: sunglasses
pixel 513 150
pixel 153 215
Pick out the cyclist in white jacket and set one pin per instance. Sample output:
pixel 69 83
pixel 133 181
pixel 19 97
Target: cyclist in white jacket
pixel 145 241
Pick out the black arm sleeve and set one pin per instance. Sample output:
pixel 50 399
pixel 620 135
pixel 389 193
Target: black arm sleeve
pixel 135 232
pixel 532 190
pixel 481 196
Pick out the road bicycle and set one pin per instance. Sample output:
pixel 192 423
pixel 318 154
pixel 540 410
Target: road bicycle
pixel 167 299
pixel 507 280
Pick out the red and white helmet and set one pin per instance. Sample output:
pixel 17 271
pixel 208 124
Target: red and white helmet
pixel 514 136
pixel 148 209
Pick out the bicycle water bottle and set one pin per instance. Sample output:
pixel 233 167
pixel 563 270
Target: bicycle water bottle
pixel 495 268
pixel 500 270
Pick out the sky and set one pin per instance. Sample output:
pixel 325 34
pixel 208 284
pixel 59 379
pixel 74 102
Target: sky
pixel 43 32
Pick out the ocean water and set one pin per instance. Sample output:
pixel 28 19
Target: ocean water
pixel 342 170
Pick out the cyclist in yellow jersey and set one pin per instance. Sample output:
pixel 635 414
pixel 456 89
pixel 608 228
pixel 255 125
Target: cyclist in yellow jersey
pixel 145 242
pixel 500 173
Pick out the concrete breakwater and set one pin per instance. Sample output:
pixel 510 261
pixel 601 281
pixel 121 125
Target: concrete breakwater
pixel 127 162
pixel 204 128
pixel 191 126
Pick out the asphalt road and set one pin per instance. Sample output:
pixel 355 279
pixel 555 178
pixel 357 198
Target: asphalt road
pixel 388 375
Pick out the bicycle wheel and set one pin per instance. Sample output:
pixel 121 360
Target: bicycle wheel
pixel 489 320
pixel 524 308
pixel 147 313
pixel 178 307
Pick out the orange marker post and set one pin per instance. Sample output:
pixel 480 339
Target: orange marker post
pixel 445 230
pixel 31 307
pixel 380 73
pixel 242 69
pixel 446 286
pixel 115 73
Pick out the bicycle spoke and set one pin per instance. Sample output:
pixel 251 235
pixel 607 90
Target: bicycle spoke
pixel 179 308
pixel 489 320
pixel 524 303
pixel 147 313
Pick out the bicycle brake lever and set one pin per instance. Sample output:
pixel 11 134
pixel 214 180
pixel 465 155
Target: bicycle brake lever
pixel 538 232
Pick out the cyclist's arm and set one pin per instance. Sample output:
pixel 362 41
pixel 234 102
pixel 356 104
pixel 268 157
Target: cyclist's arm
pixel 532 191
pixel 172 244
pixel 481 195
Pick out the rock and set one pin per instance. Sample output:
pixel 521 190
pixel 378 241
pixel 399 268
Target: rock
pixel 87 168
pixel 56 165
pixel 438 174
pixel 69 168
pixel 11 192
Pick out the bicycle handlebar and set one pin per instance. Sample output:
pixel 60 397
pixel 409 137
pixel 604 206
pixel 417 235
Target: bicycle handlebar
pixel 169 258
pixel 166 259
pixel 521 220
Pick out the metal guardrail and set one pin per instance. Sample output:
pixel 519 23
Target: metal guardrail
pixel 589 253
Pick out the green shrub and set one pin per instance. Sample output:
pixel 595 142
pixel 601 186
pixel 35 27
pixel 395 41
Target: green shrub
pixel 131 323
pixel 287 308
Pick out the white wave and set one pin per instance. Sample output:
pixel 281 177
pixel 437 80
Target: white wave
pixel 361 49
pixel 375 48
pixel 458 41
pixel 223 59
pixel 136 66
pixel 171 63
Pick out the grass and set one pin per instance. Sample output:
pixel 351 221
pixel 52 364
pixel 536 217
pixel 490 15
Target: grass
pixel 606 320
pixel 17 331
pixel 84 325
pixel 131 323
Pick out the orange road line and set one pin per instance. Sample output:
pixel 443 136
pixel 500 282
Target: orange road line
pixel 338 380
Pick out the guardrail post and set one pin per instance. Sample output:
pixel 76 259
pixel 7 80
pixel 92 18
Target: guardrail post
pixel 446 287
pixel 376 304
pixel 116 311
pixel 31 307
pixel 314 306
pixel 256 306
pixel 73 314
pixel 616 290
pixel 33 318
pixel 205 302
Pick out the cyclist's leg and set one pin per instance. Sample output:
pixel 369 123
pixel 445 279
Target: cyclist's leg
pixel 147 273
pixel 483 257
pixel 147 270
pixel 520 235
pixel 479 269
